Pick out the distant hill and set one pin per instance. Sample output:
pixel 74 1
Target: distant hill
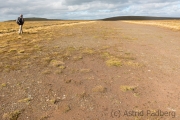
pixel 40 19
pixel 138 18
pixel 109 19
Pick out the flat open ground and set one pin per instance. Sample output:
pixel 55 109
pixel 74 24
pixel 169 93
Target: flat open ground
pixel 90 70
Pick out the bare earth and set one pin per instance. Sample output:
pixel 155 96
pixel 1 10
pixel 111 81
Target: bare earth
pixel 96 71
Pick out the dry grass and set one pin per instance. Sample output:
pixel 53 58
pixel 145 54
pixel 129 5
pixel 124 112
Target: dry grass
pixel 17 48
pixel 114 62
pixel 3 84
pixel 62 67
pixel 58 71
pixel 53 101
pixel 171 24
pixel 125 88
pixel 25 100
pixel 88 51
pixel 56 63
pixel 126 59
pixel 78 58
pixel 132 64
pixel 99 88
pixel 66 108
pixel 32 27
pixel 85 70
pixel 45 117
pixel 106 55
pixel 46 72
pixel 82 95
pixel 12 116
pixel 67 81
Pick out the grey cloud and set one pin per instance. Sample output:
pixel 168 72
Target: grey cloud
pixel 79 2
pixel 87 9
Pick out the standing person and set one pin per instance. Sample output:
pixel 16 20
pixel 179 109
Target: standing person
pixel 20 22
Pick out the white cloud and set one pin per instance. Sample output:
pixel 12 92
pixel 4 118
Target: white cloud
pixel 87 9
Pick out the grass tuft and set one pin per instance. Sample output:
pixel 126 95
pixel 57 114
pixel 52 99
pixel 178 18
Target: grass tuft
pixel 127 88
pixel 66 108
pixel 54 101
pixel 114 62
pixel 78 58
pixel 25 100
pixel 56 63
pixel 88 51
pixel 131 63
pixel 12 116
pixel 99 88
pixel 62 67
pixel 3 84
pixel 85 70
pixel 106 55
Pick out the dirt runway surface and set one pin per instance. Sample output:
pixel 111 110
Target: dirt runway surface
pixel 103 70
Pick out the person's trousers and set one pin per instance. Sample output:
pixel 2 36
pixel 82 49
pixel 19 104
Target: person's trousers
pixel 20 29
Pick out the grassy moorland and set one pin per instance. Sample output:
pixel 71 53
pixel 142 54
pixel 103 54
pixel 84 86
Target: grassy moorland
pixel 64 50
pixel 87 70
pixel 171 24
pixel 12 27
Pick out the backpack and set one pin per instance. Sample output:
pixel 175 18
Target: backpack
pixel 20 21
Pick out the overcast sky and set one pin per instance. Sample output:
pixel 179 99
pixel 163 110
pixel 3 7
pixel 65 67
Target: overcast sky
pixel 87 9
